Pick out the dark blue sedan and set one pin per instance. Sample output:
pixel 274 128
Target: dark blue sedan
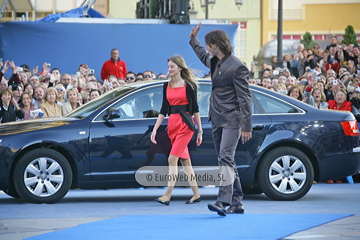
pixel 101 145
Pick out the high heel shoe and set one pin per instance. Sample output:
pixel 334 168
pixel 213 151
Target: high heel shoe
pixel 162 202
pixel 193 201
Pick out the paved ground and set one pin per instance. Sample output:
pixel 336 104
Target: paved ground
pixel 19 220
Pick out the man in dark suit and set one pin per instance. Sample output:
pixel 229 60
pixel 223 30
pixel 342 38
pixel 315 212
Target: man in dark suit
pixel 229 112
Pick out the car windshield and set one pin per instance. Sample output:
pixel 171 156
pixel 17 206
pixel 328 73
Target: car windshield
pixel 95 104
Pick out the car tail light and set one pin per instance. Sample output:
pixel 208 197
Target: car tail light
pixel 350 128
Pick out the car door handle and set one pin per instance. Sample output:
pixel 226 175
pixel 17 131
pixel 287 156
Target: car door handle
pixel 258 127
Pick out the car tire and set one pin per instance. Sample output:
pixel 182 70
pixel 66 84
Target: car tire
pixel 42 176
pixel 253 190
pixel 12 192
pixel 285 174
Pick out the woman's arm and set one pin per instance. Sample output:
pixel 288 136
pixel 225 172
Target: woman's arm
pixel 200 130
pixel 159 120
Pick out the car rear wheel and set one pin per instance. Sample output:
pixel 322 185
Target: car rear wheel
pixel 42 176
pixel 285 173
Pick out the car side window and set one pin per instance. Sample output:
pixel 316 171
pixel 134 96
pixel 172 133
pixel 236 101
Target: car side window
pixel 272 105
pixel 203 96
pixel 142 104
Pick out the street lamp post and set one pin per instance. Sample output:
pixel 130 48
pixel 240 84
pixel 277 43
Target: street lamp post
pixel 279 34
pixel 206 9
pixel 205 3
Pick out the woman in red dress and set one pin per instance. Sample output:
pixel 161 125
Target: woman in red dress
pixel 180 98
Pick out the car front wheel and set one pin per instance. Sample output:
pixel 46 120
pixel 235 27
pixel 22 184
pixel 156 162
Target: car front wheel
pixel 42 176
pixel 285 173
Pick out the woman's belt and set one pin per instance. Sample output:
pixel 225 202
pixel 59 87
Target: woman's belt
pixel 181 109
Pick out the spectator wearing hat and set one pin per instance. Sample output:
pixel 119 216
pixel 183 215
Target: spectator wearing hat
pixel 25 66
pixel 114 66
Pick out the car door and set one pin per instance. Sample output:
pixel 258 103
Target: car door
pixel 205 154
pixel 120 146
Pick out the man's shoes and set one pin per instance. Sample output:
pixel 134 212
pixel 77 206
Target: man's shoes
pixel 217 207
pixel 193 201
pixel 167 203
pixel 235 210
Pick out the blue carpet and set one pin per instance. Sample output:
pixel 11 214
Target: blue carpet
pixel 195 226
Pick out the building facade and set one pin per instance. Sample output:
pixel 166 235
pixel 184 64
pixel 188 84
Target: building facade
pixel 322 18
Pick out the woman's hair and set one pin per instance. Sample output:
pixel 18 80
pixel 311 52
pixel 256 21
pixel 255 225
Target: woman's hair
pixel 280 85
pixel 49 90
pixel 185 73
pixel 75 90
pixel 221 39
pixel 6 90
pixel 22 97
pixel 295 87
pixel 286 55
pixel 323 97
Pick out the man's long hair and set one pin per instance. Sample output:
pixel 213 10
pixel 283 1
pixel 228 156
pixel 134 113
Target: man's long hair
pixel 221 39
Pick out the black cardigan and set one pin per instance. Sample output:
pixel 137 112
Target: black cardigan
pixel 191 95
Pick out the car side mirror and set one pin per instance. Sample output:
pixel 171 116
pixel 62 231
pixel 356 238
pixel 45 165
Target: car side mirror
pixel 111 113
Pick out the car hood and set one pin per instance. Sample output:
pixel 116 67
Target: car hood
pixel 33 125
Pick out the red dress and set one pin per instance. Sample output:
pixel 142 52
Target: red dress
pixel 179 133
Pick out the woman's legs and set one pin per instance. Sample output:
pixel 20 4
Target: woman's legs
pixel 173 171
pixel 189 172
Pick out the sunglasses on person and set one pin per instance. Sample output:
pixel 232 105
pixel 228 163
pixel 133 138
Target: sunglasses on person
pixel 130 78
pixel 59 90
pixel 147 76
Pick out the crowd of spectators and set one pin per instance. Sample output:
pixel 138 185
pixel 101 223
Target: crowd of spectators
pixel 324 78
pixel 32 93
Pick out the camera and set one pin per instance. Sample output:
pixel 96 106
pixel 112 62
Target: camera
pixel 335 82
pixel 15 86
pixel 275 72
pixel 255 63
pixel 49 65
pixel 91 71
pixel 357 89
pixel 20 69
pixel 317 78
pixel 109 84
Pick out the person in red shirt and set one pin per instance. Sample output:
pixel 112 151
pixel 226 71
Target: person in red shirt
pixel 340 102
pixel 114 66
